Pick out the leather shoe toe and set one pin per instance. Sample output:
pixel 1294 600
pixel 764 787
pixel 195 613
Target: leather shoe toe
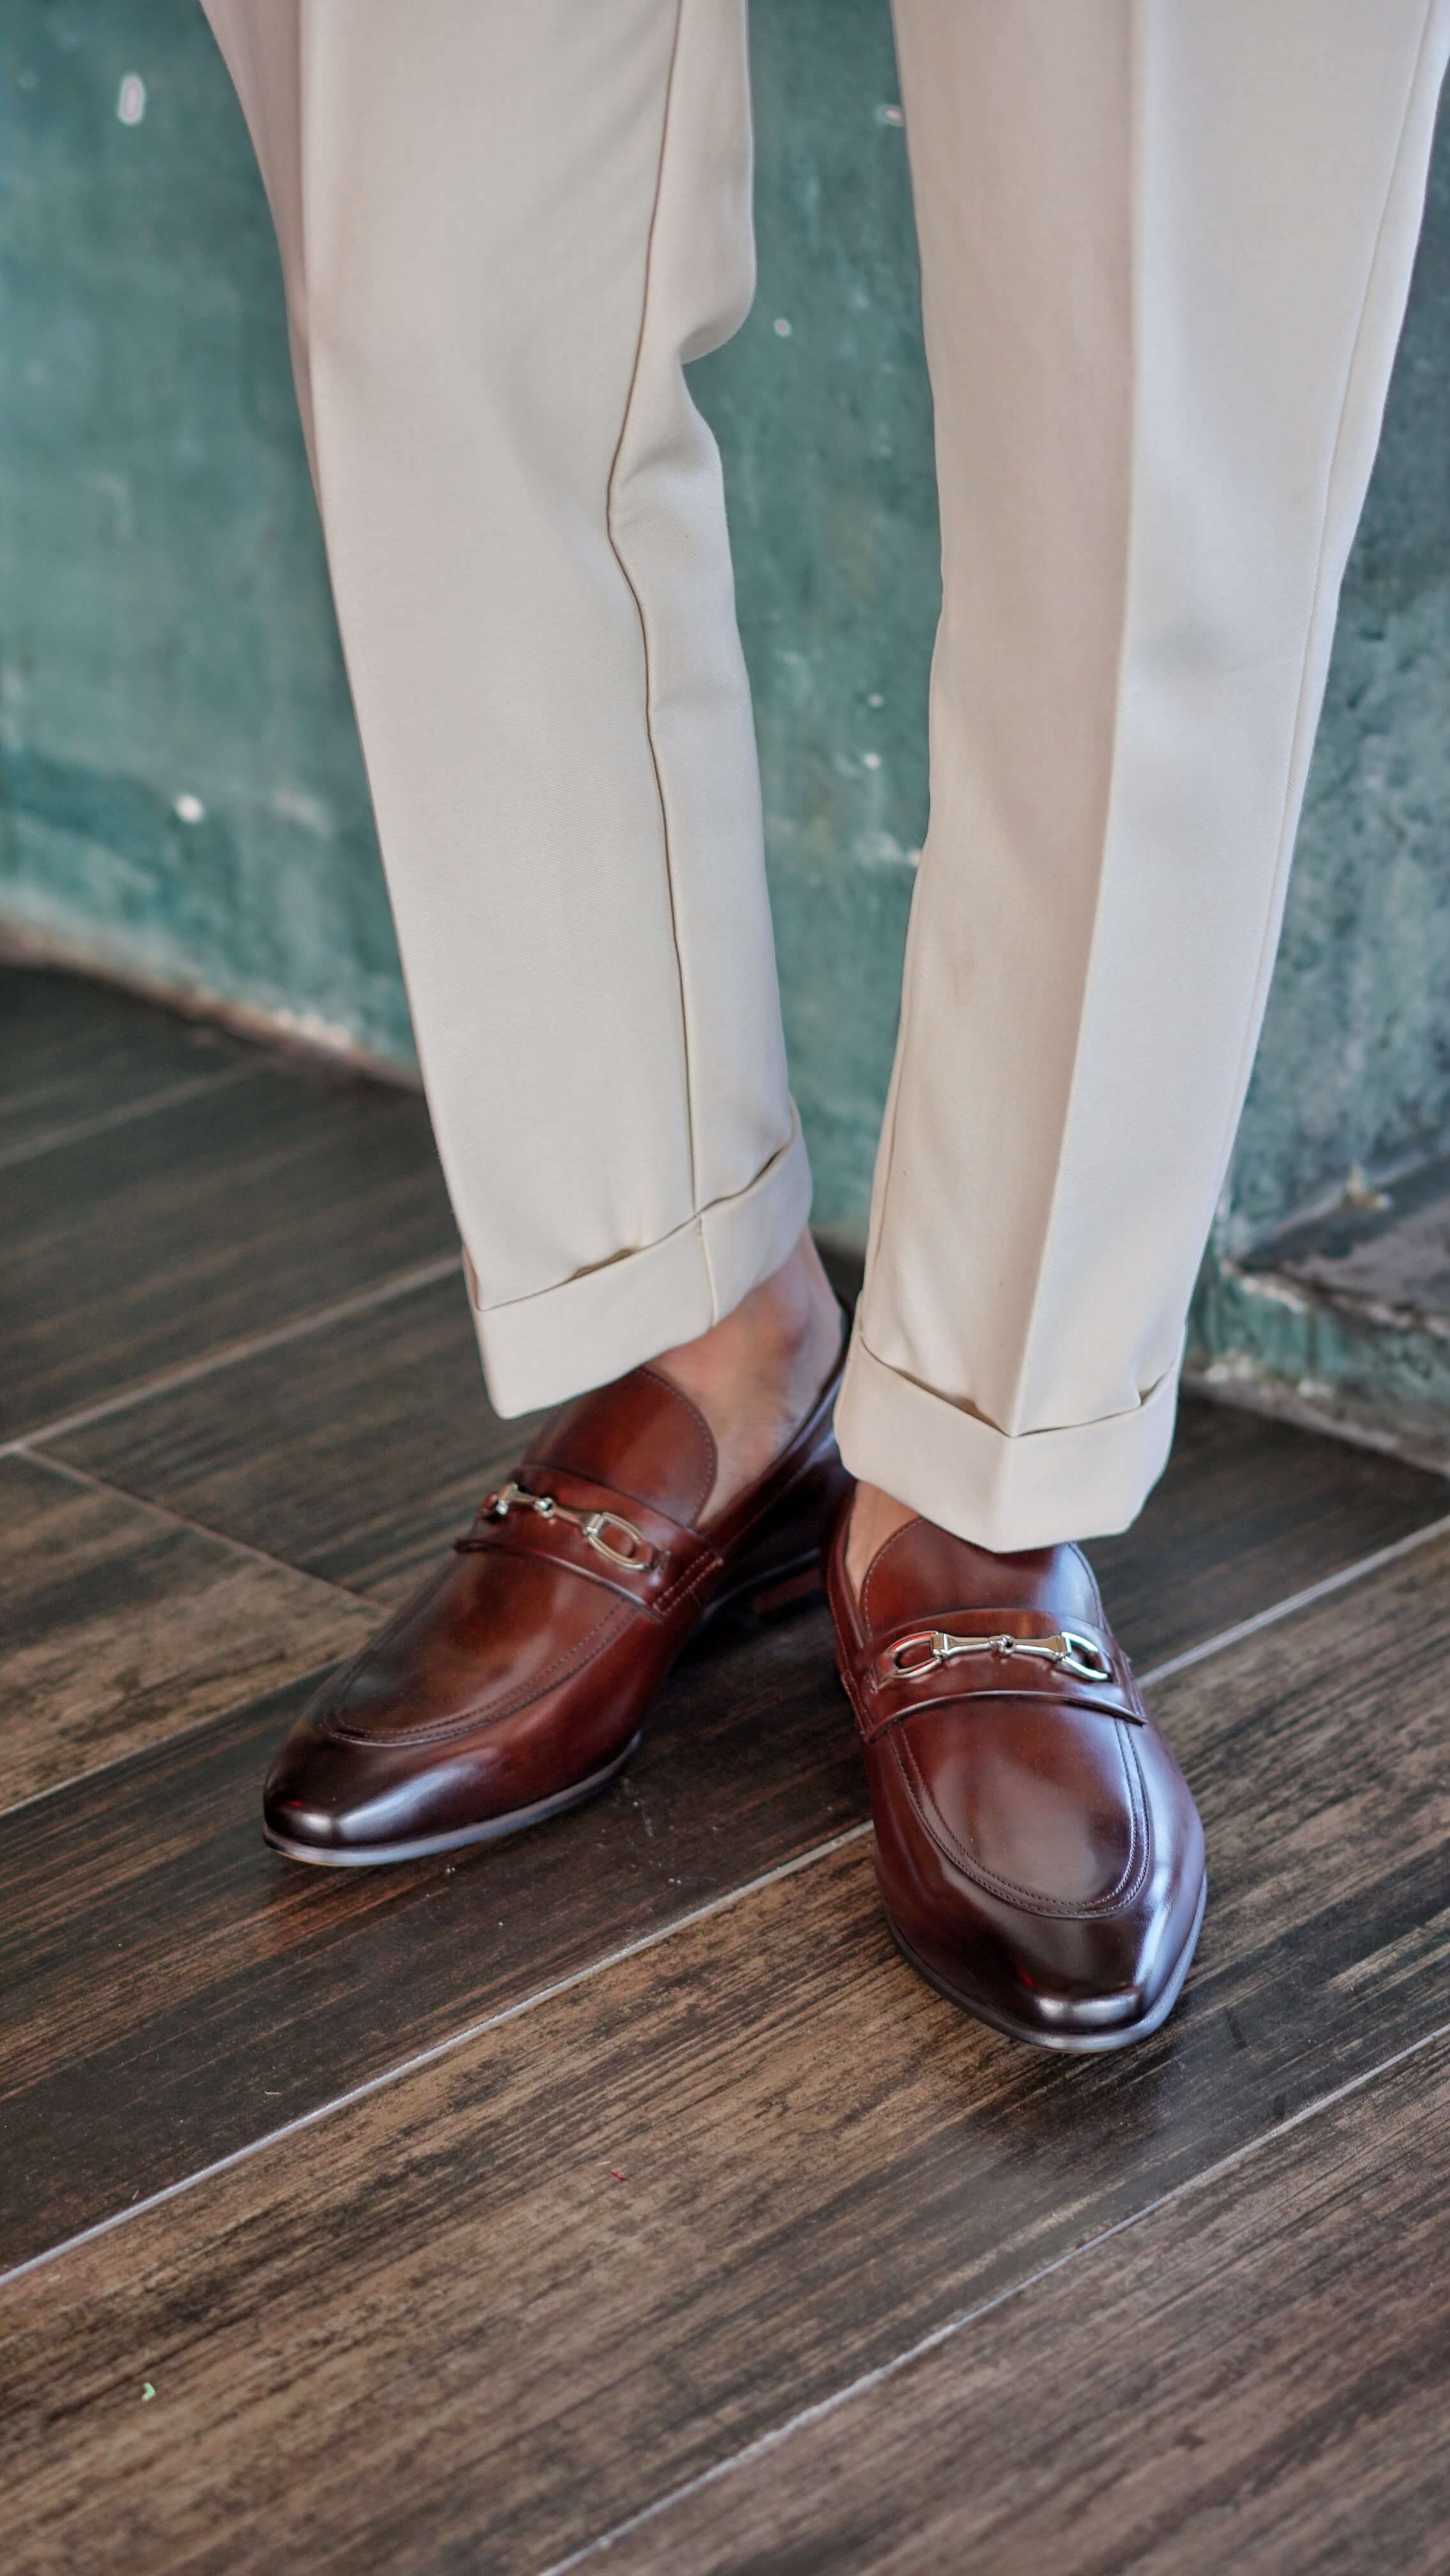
pixel 1038 1850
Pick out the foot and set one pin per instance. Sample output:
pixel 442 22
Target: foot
pixel 756 1375
pixel 514 1684
pixel 874 1518
pixel 1038 1851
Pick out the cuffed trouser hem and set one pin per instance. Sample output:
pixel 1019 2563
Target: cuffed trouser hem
pixel 539 1350
pixel 1036 1490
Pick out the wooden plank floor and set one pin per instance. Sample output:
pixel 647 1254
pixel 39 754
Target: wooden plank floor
pixel 72 1055
pixel 1191 2379
pixel 122 1626
pixel 245 1206
pixel 357 1455
pixel 558 2201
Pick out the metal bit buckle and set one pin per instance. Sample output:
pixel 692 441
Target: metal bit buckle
pixel 637 1556
pixel 1069 1651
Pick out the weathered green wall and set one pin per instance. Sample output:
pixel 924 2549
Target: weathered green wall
pixel 1355 1062
pixel 167 650
pixel 164 617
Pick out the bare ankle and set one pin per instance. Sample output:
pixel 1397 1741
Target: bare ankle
pixel 875 1517
pixel 756 1374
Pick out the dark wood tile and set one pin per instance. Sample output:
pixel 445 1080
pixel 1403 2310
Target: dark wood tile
pixel 118 1627
pixel 171 1986
pixel 72 1050
pixel 359 1456
pixel 1251 1511
pixel 493 2308
pixel 1252 2378
pixel 126 1254
pixel 752 1761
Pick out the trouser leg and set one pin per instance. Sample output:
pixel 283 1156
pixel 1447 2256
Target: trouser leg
pixel 1165 250
pixel 503 225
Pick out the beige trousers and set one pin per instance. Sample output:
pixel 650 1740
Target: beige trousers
pixel 1165 248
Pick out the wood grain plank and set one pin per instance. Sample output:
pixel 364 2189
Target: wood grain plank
pixel 171 1987
pixel 126 1254
pixel 72 1050
pixel 118 1627
pixel 357 1455
pixel 491 2309
pixel 751 1761
pixel 360 1456
pixel 1252 2378
pixel 1249 1512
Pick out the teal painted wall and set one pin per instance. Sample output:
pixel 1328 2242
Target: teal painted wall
pixel 165 627
pixel 1355 1062
pixel 181 796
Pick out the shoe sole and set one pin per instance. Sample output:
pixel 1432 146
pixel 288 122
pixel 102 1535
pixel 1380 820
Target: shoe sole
pixel 1065 2043
pixel 495 1829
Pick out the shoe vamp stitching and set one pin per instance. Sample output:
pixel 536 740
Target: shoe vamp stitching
pixel 490 1712
pixel 1117 1898
pixel 705 1570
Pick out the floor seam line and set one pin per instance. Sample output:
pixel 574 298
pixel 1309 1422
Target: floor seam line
pixel 445 2047
pixel 779 2434
pixel 244 1547
pixel 53 1140
pixel 1304 1599
pixel 436 2052
pixel 313 1673
pixel 401 1283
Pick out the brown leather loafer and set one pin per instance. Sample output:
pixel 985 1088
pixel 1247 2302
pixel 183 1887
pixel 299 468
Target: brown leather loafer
pixel 512 1686
pixel 1038 1850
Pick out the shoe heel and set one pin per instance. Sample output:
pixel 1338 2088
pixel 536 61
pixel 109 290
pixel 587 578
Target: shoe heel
pixel 784 1570
pixel 764 1598
pixel 788 1589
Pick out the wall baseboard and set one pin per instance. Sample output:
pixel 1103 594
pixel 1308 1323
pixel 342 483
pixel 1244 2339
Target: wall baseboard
pixel 283 1029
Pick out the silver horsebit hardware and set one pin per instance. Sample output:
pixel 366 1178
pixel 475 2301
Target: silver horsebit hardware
pixel 637 1556
pixel 1069 1651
